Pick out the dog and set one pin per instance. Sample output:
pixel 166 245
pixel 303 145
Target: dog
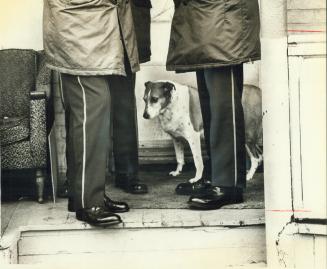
pixel 252 107
pixel 179 113
pixel 178 108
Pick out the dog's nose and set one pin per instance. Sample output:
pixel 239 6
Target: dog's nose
pixel 146 115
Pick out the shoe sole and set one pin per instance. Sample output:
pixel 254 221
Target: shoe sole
pixel 190 193
pixel 117 211
pixel 198 206
pixel 82 218
pixel 101 224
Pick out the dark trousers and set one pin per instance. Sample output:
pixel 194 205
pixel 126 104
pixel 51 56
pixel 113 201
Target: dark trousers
pixel 94 105
pixel 220 92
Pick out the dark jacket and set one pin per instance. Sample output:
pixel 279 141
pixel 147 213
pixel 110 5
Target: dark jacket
pixel 83 37
pixel 142 22
pixel 213 33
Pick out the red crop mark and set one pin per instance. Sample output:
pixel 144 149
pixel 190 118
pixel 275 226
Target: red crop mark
pixel 307 31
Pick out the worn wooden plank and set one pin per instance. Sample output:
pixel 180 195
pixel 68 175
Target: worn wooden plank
pixel 224 242
pixel 306 4
pixel 320 250
pixel 306 16
pixel 213 258
pixel 7 211
pixel 313 124
pixel 303 249
pixel 32 216
pixel 299 40
pixel 307 49
pixel 294 68
pixel 313 229
pixel 307 29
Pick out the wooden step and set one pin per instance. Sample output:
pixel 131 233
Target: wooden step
pixel 199 247
pixel 162 151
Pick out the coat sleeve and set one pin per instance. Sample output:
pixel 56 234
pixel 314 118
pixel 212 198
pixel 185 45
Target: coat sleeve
pixel 142 3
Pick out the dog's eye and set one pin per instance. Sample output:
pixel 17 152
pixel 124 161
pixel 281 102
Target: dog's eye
pixel 154 99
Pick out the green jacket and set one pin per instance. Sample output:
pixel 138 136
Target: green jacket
pixel 83 37
pixel 213 33
pixel 142 22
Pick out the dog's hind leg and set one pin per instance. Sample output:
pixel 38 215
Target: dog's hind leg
pixel 255 162
pixel 194 141
pixel 179 151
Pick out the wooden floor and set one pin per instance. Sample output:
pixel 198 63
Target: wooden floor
pixel 172 208
pixel 29 224
pixel 47 233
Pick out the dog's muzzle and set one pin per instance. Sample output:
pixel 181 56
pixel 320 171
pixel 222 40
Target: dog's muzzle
pixel 146 115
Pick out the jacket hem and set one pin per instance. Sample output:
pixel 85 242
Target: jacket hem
pixel 89 72
pixel 194 67
pixel 145 59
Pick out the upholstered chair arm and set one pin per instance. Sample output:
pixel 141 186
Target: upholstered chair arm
pixel 38 133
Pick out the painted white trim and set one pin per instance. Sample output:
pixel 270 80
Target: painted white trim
pixel 84 138
pixel 234 126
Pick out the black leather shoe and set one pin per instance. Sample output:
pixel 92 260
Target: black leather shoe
pixel 114 206
pixel 130 184
pixel 98 216
pixel 216 200
pixel 197 188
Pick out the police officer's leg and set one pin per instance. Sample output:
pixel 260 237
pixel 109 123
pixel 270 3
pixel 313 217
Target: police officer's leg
pixel 125 134
pixel 206 116
pixel 89 106
pixel 227 137
pixel 125 145
pixel 69 148
pixel 227 133
pixel 187 188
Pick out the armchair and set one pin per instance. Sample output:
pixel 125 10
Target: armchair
pixel 23 123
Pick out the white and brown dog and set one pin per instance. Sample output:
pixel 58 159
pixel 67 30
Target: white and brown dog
pixel 252 107
pixel 178 108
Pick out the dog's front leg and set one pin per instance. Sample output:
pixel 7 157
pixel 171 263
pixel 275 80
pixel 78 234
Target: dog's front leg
pixel 194 141
pixel 255 162
pixel 179 151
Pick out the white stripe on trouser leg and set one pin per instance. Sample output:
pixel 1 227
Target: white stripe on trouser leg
pixel 61 92
pixel 84 138
pixel 234 125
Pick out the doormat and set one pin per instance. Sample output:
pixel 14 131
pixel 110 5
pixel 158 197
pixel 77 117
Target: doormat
pixel 162 191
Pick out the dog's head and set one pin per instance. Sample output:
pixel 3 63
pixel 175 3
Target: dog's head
pixel 157 96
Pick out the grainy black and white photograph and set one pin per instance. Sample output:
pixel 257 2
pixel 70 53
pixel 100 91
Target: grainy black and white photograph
pixel 163 134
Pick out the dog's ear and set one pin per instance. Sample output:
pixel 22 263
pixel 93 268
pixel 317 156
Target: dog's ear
pixel 168 87
pixel 147 84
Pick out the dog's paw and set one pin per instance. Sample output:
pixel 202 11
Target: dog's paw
pixel 174 173
pixel 193 180
pixel 249 176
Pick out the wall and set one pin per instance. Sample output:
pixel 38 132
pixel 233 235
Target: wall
pixel 21 24
pixel 306 15
pixel 291 36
